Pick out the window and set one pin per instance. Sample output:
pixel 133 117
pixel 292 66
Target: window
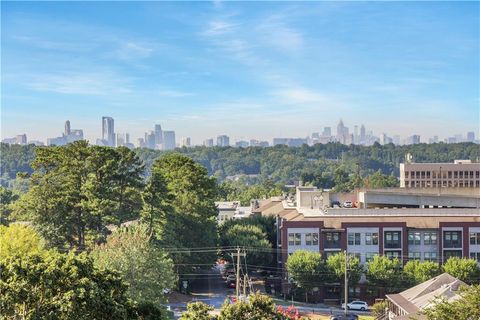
pixel 452 239
pixel 393 239
pixel 332 240
pixel 414 256
pixel 452 253
pixel 354 239
pixel 475 256
pixel 294 239
pixel 429 238
pixel 474 237
pixel 311 239
pixel 355 254
pixel 414 238
pixel 369 256
pixel 392 254
pixel 430 256
pixel 371 238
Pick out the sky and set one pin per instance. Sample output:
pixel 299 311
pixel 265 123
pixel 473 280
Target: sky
pixel 245 69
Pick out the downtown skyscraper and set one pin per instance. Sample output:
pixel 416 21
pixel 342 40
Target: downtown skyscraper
pixel 108 131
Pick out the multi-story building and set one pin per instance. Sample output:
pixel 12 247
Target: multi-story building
pixel 169 142
pixel 460 174
pixel 186 142
pixel 150 139
pixel 223 141
pixel 158 136
pixel 108 131
pixel 413 227
pixel 208 142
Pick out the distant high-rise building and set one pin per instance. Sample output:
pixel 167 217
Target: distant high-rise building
pixel 108 131
pixel 158 136
pixel 470 136
pixel 169 142
pixel 396 140
pixel 362 135
pixel 67 128
pixel 75 135
pixel 120 140
pixel 327 132
pixel 415 139
pixel 127 138
pixel 208 142
pixel 141 143
pixel 21 139
pixel 355 134
pixel 186 142
pixel 241 144
pixel 340 132
pixel 223 141
pixel 150 139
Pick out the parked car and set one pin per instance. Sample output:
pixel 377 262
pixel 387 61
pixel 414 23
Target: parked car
pixel 335 204
pixel 231 277
pixel 356 305
pixel 349 316
pixel 348 204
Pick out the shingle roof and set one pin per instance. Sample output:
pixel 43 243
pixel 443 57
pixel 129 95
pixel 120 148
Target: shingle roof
pixel 424 294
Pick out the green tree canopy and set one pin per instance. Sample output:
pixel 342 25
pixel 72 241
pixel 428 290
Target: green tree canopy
pixel 51 285
pixel 336 267
pixel 252 237
pixel 76 190
pixel 306 269
pixel 192 221
pixel 146 269
pixel 258 306
pixel 197 311
pixel 19 240
pixel 467 307
pixel 420 271
pixel 466 270
pixel 384 273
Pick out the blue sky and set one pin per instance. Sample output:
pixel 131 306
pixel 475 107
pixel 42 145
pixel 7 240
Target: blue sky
pixel 247 69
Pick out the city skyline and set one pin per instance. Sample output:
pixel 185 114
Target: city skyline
pixel 398 68
pixel 159 138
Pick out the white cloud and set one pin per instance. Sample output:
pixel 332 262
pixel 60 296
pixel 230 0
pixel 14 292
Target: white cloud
pixel 219 27
pixel 299 95
pixel 276 33
pixel 93 83
pixel 173 93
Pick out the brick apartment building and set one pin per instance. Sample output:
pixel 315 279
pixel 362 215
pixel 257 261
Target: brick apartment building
pixel 392 222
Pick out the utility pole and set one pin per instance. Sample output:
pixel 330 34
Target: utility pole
pixel 244 286
pixel 346 282
pixel 238 273
pixel 237 284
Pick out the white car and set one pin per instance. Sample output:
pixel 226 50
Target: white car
pixel 356 305
pixel 348 204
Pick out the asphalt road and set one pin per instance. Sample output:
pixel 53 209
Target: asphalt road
pixel 211 289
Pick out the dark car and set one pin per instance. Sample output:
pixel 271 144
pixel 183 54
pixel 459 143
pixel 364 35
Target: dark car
pixel 335 204
pixel 349 316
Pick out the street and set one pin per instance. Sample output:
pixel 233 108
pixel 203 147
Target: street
pixel 210 288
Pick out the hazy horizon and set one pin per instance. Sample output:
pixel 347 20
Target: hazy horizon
pixel 245 69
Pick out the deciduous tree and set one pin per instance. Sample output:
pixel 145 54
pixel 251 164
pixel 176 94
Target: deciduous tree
pixel 146 269
pixel 466 270
pixel 306 269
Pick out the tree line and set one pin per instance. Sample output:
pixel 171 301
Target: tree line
pixel 92 210
pixel 308 270
pixel 280 164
